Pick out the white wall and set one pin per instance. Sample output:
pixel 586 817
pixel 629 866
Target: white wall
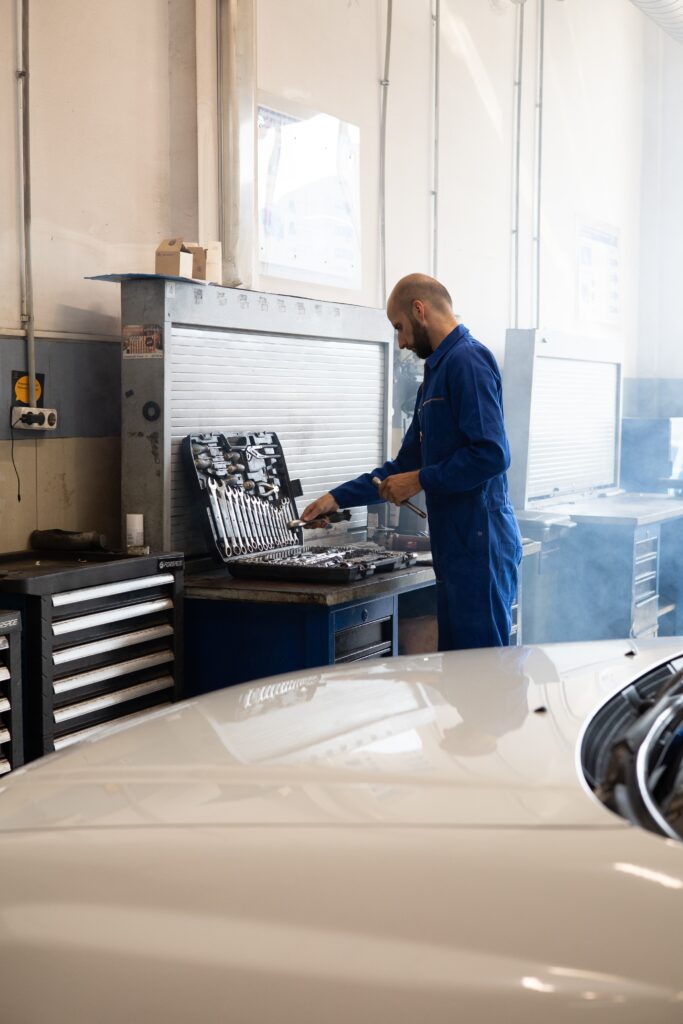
pixel 113 138
pixel 115 142
pixel 115 95
pixel 660 352
pixel 592 154
pixel 475 173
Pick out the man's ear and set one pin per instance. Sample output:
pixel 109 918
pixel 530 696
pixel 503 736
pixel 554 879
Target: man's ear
pixel 419 310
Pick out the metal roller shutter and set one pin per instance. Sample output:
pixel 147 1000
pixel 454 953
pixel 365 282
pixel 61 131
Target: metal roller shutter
pixel 324 397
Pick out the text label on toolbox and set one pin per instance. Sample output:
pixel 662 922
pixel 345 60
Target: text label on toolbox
pixel 8 623
pixel 171 563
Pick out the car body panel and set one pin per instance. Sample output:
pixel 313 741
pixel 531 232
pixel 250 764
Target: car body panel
pixel 309 924
pixel 401 839
pixel 478 738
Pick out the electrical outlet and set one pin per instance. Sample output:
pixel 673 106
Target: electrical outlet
pixel 24 417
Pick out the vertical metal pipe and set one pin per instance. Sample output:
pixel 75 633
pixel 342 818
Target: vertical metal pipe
pixel 436 27
pixel 384 85
pixel 540 55
pixel 27 273
pixel 220 126
pixel 237 134
pixel 517 162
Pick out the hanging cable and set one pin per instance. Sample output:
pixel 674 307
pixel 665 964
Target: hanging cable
pixel 384 85
pixel 11 434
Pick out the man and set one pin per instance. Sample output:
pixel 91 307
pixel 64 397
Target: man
pixel 456 451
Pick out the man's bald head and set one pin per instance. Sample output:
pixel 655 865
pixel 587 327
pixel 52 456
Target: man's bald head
pixel 421 312
pixel 422 288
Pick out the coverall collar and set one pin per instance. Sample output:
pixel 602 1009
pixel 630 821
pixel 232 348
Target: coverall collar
pixel 445 346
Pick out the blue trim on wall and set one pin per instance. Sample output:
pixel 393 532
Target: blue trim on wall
pixel 82 381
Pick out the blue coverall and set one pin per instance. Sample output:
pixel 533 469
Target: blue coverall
pixel 457 440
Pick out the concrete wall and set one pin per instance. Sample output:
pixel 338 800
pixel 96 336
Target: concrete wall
pixel 114 169
pixel 122 119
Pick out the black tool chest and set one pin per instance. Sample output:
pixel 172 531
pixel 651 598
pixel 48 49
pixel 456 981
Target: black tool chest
pixel 246 501
pixel 102 639
pixel 11 726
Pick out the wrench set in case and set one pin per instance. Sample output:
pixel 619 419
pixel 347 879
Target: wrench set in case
pixel 247 504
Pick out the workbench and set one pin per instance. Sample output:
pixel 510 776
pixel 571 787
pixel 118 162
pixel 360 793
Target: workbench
pixel 239 630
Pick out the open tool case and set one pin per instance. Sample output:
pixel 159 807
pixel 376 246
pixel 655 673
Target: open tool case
pixel 246 500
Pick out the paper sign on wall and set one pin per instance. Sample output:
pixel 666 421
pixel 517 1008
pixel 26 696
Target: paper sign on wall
pixel 598 273
pixel 141 341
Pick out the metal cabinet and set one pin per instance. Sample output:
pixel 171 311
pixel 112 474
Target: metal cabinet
pixel 100 642
pixel 11 725
pixel 609 583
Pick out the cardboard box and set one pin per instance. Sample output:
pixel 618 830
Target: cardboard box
pixel 173 258
pixel 214 262
pixel 198 260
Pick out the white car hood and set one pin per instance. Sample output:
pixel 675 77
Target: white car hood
pixel 467 739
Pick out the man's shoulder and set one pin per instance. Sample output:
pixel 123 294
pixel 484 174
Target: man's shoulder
pixel 469 351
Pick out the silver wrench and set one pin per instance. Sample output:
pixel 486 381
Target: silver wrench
pixel 260 515
pixel 282 525
pixel 251 515
pixel 237 543
pixel 241 497
pixel 270 519
pixel 212 488
pixel 244 533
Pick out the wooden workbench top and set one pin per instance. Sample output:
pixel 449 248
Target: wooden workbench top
pixel 218 585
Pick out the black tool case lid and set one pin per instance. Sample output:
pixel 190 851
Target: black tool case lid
pixel 245 495
pixel 246 499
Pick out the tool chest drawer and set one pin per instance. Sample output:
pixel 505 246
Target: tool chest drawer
pixel 101 642
pixel 364 630
pixel 370 640
pixel 363 612
pixel 11 725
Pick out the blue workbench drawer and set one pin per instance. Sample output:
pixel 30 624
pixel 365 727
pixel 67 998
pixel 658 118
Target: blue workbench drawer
pixel 362 612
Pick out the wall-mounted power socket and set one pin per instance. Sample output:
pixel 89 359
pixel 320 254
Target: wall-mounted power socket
pixel 25 417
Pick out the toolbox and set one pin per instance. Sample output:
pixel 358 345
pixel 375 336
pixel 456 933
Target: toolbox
pixel 246 502
pixel 11 725
pixel 101 639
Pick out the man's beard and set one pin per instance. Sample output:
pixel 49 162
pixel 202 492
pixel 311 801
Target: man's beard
pixel 421 343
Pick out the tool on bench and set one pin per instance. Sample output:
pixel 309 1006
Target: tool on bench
pixel 331 517
pixel 407 504
pixel 245 504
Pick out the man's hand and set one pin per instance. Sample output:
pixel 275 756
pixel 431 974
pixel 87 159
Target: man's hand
pixel 400 486
pixel 320 507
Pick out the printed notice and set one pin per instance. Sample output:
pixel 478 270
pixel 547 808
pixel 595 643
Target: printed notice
pixel 598 274
pixel 141 341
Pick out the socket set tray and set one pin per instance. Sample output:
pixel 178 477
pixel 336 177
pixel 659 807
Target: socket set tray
pixel 247 500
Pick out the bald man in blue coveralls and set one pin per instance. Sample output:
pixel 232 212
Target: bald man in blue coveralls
pixel 457 452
